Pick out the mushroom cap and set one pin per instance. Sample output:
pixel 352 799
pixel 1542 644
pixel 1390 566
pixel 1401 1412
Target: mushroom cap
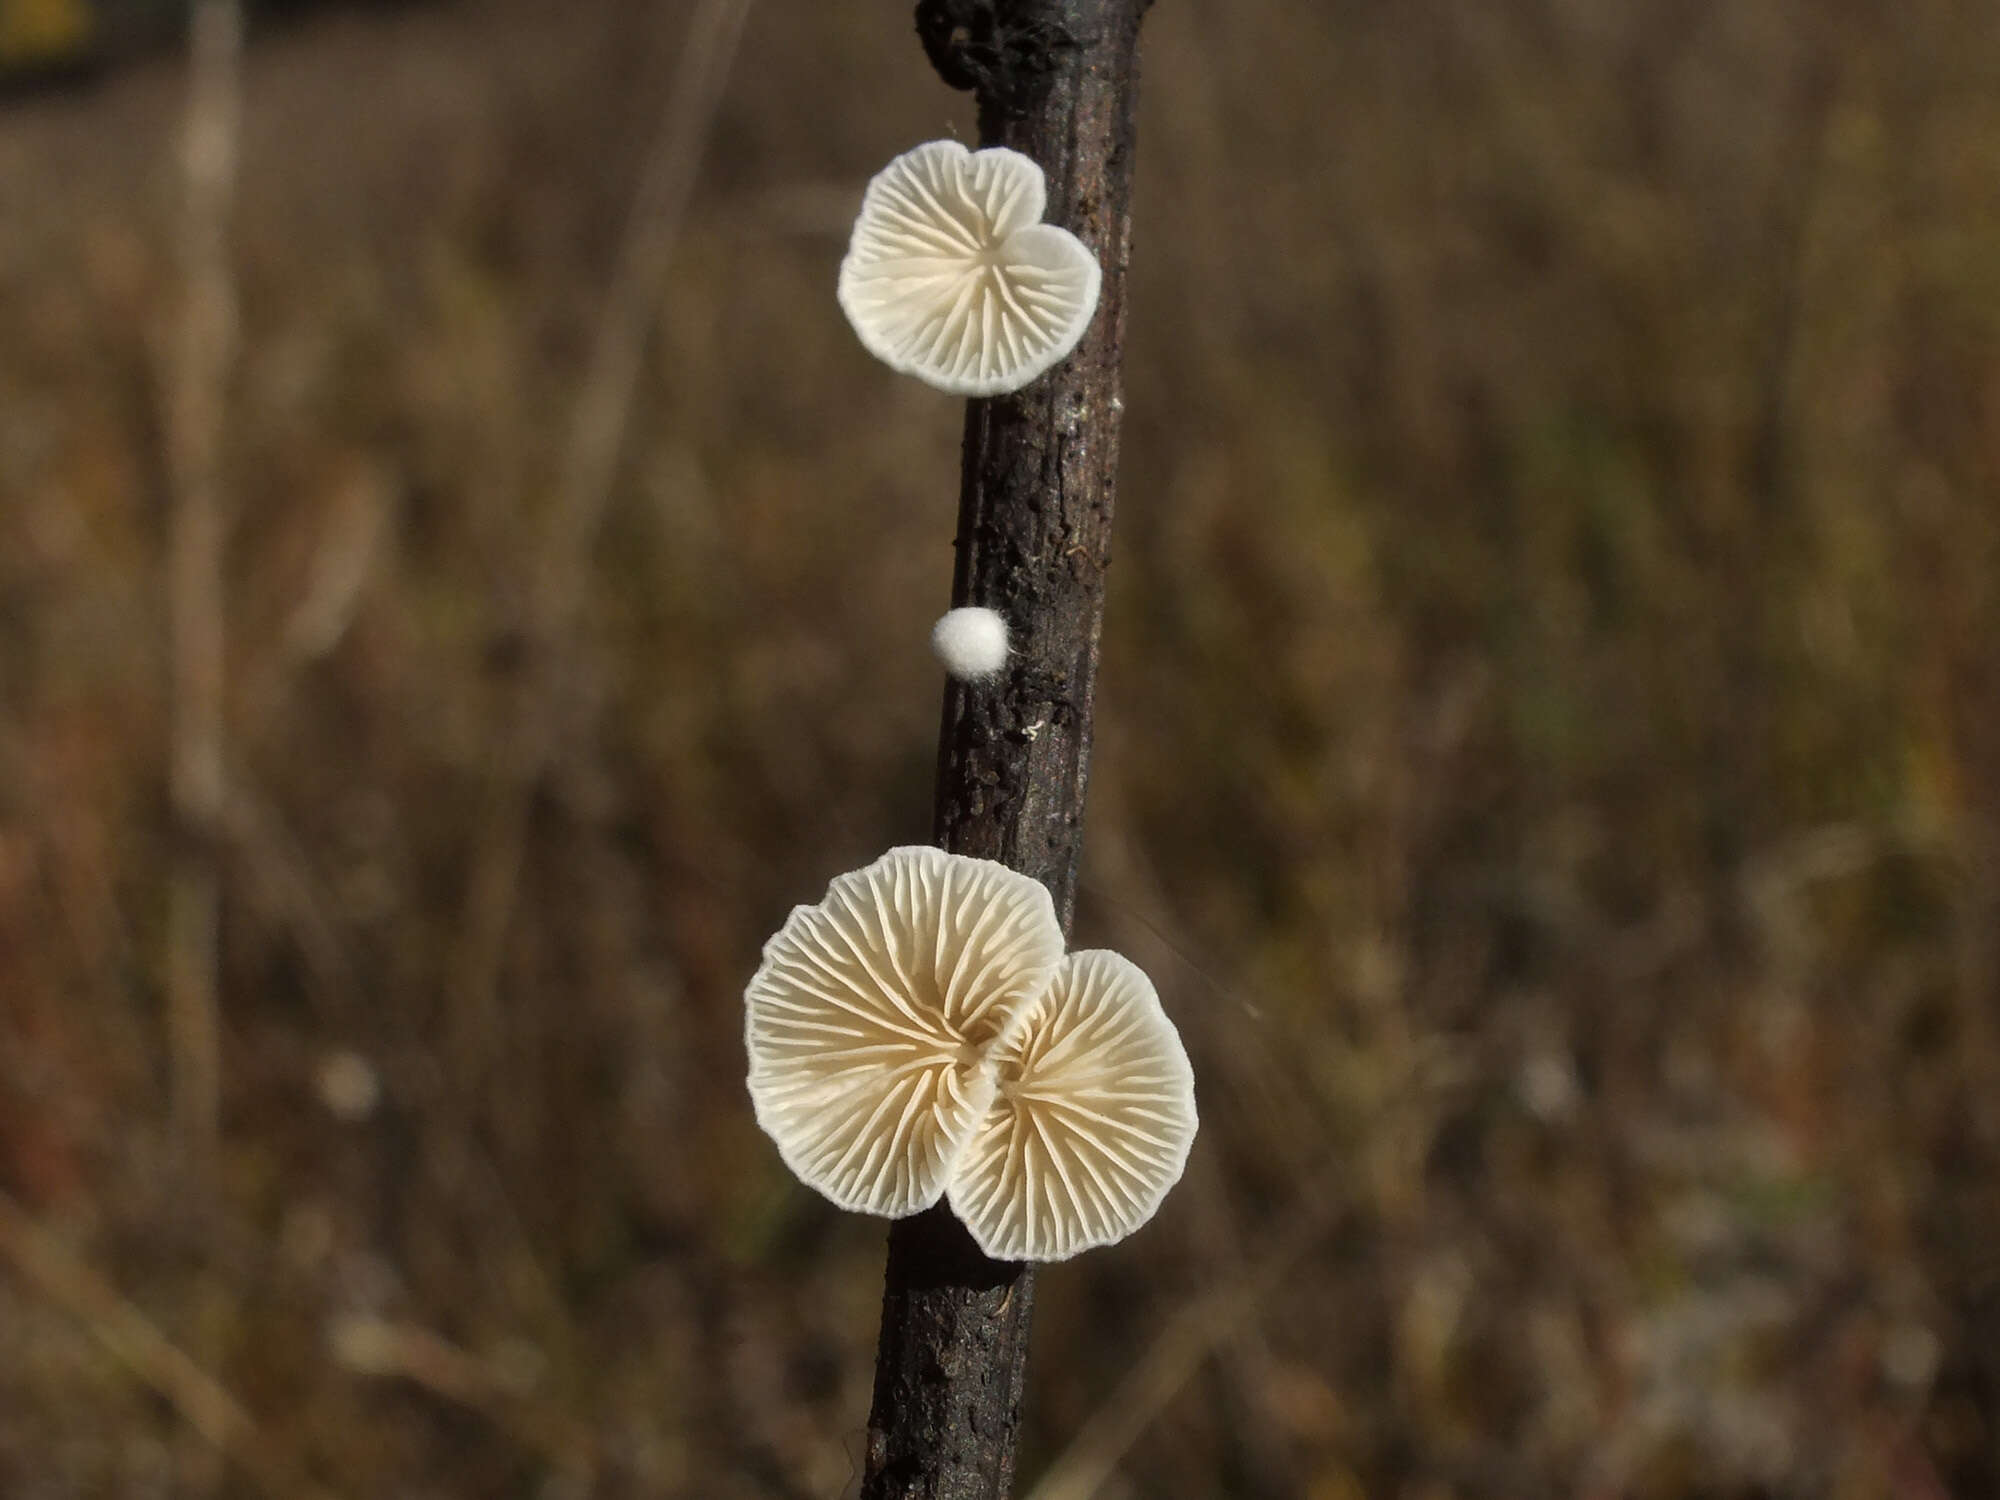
pixel 952 277
pixel 871 1021
pixel 1091 1122
pixel 971 642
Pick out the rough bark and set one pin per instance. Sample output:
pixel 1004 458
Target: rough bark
pixel 1034 533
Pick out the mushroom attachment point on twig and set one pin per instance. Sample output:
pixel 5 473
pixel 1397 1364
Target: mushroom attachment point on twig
pixel 952 277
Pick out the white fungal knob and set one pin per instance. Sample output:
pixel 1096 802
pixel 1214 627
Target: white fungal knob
pixel 971 642
pixel 952 277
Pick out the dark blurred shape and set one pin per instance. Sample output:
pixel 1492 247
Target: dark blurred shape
pixel 993 48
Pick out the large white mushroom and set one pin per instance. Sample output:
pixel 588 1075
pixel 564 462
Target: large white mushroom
pixel 952 277
pixel 874 1019
pixel 1091 1122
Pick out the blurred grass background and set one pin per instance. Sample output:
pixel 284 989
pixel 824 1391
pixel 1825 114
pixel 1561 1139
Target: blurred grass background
pixel 1549 757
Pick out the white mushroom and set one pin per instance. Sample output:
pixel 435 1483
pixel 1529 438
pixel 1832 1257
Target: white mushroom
pixel 871 1023
pixel 971 642
pixel 1091 1123
pixel 952 277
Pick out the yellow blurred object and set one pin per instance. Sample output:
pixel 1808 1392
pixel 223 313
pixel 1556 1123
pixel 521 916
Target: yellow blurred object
pixel 1336 1483
pixel 34 32
pixel 1300 1399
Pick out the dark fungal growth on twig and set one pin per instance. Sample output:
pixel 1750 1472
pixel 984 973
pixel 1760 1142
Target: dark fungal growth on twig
pixel 1001 49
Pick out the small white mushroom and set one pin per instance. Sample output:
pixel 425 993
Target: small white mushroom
pixel 871 1023
pixel 952 277
pixel 1091 1123
pixel 971 642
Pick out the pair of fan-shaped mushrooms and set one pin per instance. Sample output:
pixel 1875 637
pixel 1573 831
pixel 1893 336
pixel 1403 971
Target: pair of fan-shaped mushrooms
pixel 920 1034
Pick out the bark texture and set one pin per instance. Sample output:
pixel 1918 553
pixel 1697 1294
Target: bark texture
pixel 1034 536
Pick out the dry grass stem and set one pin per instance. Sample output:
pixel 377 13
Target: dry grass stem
pixel 387 1350
pixel 1193 1334
pixel 52 1271
pixel 196 410
pixel 597 429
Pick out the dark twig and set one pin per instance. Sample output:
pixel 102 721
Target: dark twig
pixel 1034 534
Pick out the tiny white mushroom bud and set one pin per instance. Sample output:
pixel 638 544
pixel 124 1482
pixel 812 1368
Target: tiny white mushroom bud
pixel 872 1019
pixel 952 277
pixel 1091 1119
pixel 971 642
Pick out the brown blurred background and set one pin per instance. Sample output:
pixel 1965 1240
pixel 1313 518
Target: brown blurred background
pixel 1549 758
